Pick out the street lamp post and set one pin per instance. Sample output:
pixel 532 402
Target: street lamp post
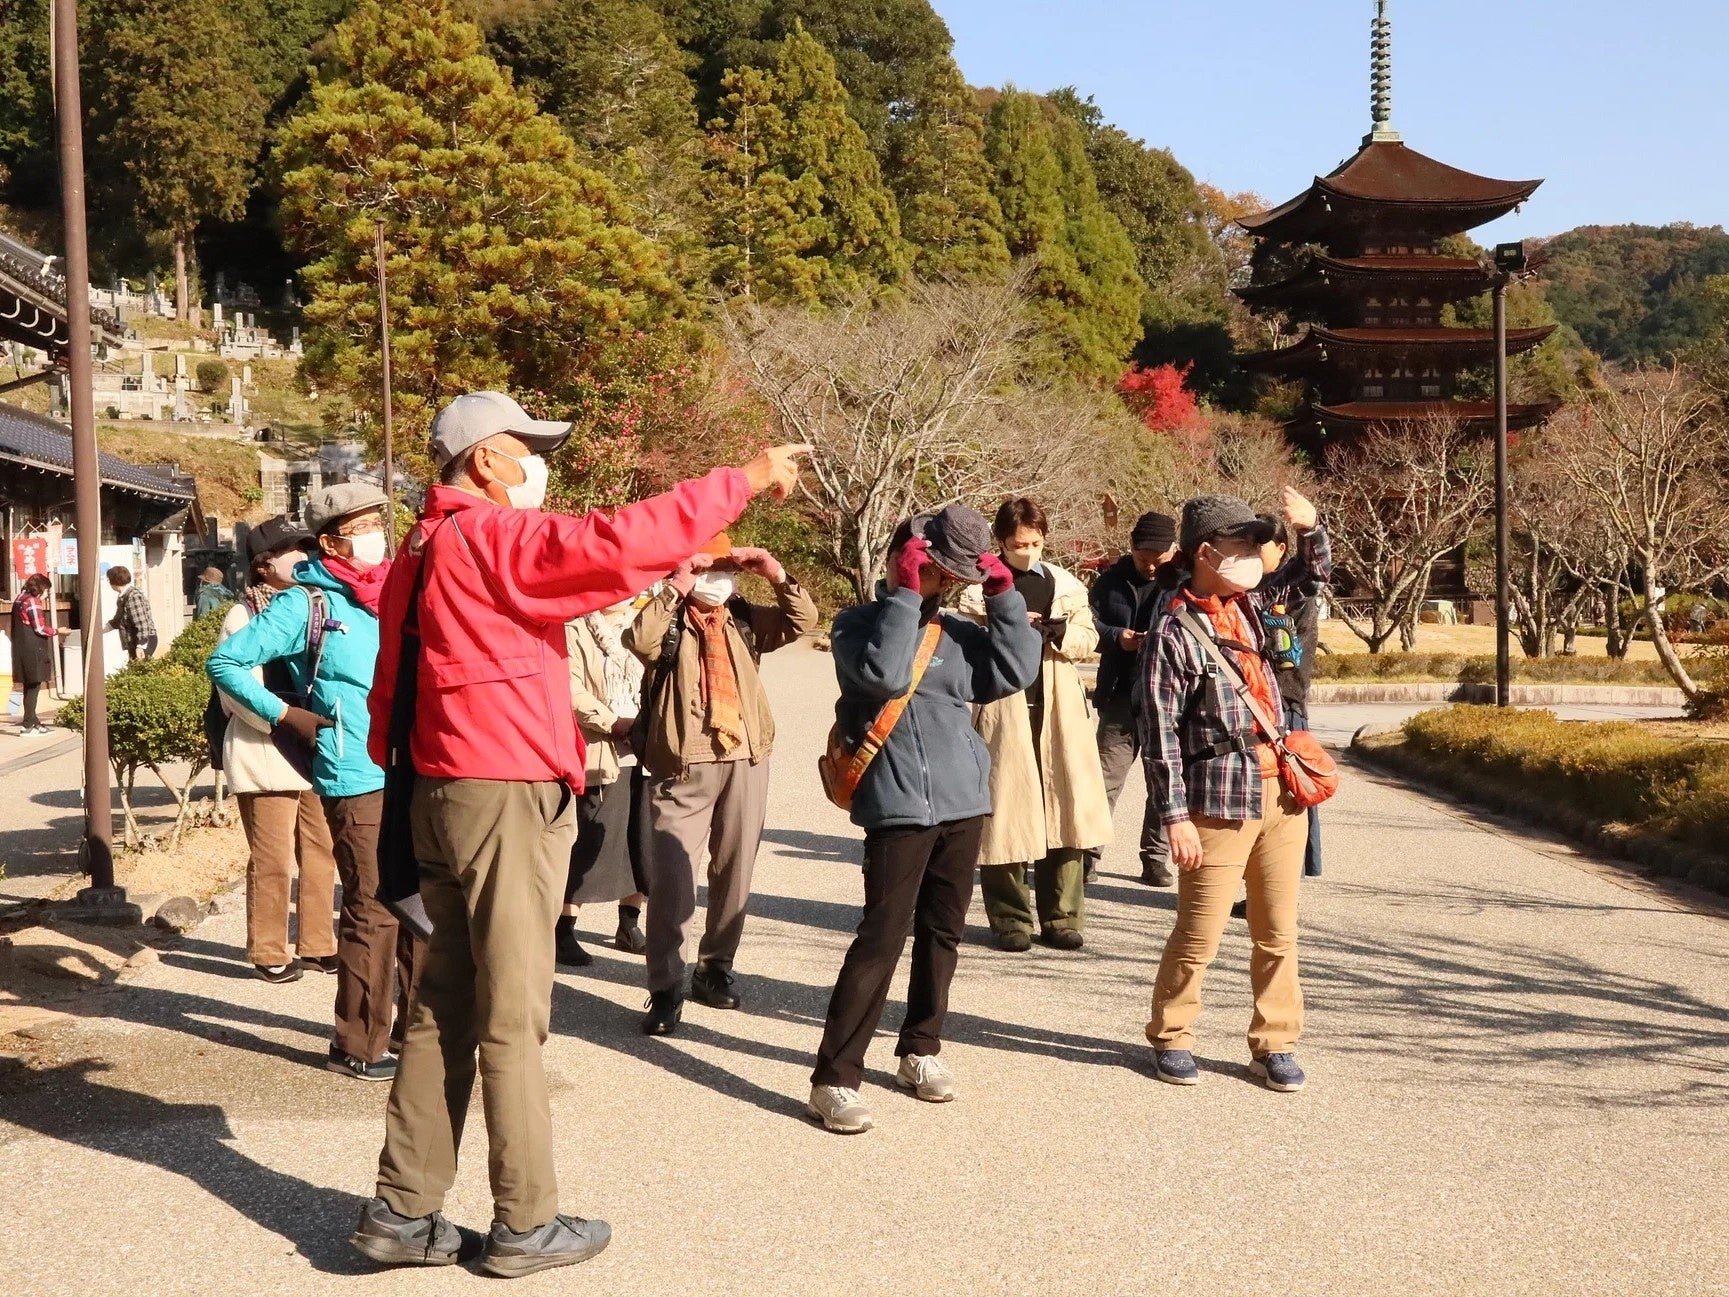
pixel 1510 261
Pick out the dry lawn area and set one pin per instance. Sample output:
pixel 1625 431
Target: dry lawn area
pixel 1476 641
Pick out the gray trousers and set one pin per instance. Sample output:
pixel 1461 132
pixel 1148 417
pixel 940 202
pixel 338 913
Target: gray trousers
pixel 1118 752
pixel 720 805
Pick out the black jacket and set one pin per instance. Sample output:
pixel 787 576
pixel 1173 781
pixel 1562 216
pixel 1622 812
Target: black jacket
pixel 1122 600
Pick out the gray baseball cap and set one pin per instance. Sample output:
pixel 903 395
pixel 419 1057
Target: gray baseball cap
pixel 469 420
pixel 334 503
pixel 1207 517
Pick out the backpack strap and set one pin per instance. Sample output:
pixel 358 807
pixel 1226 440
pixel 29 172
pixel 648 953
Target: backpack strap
pixel 1272 731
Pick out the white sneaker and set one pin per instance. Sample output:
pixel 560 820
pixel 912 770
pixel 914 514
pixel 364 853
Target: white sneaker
pixel 839 1109
pixel 927 1078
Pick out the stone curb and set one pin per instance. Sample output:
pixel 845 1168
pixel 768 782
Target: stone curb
pixel 1389 752
pixel 1523 695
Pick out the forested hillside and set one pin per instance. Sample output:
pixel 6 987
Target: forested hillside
pixel 1637 292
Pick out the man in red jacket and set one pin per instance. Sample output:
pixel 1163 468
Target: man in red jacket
pixel 500 764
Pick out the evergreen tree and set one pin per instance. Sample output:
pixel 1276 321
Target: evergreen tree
pixel 176 117
pixel 800 210
pixel 26 104
pixel 511 265
pixel 1087 289
pixel 943 182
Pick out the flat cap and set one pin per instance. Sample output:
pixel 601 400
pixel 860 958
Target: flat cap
pixel 334 503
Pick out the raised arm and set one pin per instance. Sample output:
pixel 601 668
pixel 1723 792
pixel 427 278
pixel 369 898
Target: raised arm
pixel 277 632
pixel 1005 653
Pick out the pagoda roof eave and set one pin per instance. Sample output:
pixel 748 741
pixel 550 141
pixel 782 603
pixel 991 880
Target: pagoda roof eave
pixel 1358 415
pixel 1313 347
pixel 1321 270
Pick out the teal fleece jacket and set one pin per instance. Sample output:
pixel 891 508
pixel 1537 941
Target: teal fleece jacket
pixel 341 767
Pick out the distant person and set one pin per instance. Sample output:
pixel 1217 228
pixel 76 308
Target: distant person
pixel 708 734
pixel 1698 618
pixel 213 592
pixel 132 616
pixel 33 644
pixel 494 580
pixel 286 832
pixel 923 800
pixel 325 629
pixel 1217 787
pixel 610 859
pixel 1047 788
pixel 1124 599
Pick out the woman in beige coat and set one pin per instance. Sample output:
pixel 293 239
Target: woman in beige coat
pixel 1046 782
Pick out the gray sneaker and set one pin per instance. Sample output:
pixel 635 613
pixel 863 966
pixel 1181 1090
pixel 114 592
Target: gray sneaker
pixel 564 1240
pixel 839 1109
pixel 389 1239
pixel 927 1078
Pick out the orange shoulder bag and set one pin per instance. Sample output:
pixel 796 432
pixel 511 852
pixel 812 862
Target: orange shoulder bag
pixel 842 769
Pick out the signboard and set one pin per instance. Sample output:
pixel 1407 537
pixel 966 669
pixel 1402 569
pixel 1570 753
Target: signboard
pixel 29 557
pixel 69 556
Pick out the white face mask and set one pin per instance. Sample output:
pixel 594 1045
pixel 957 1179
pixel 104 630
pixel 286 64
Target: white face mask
pixel 530 493
pixel 713 588
pixel 1241 574
pixel 367 549
pixel 283 565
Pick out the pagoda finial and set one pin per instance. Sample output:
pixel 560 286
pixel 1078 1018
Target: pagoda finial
pixel 1381 79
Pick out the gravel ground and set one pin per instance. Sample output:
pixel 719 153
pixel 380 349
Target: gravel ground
pixel 1517 1084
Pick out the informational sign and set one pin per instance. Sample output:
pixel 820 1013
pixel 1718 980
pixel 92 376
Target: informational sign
pixel 29 558
pixel 69 556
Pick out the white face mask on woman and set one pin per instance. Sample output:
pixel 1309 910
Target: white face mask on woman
pixel 530 493
pixel 367 549
pixel 1240 574
pixel 282 565
pixel 712 589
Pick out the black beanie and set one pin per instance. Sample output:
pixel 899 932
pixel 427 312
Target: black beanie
pixel 1153 531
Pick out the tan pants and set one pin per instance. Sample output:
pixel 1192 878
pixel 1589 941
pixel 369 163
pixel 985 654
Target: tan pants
pixel 1265 855
pixel 721 805
pixel 493 859
pixel 286 831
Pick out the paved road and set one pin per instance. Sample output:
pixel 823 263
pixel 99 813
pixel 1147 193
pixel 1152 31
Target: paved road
pixel 1518 1085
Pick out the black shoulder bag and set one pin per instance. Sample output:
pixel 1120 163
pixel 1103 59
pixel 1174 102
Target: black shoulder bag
pixel 398 866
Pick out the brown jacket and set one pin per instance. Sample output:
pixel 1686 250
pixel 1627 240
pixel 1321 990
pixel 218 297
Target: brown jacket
pixel 672 700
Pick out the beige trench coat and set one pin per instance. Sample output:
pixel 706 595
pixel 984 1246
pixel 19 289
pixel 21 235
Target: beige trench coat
pixel 1068 806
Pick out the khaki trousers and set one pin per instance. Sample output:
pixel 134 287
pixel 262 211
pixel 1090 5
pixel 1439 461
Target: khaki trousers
pixel 720 805
pixel 286 831
pixel 1266 856
pixel 376 960
pixel 493 860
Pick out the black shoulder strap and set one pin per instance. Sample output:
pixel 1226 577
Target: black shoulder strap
pixel 1213 649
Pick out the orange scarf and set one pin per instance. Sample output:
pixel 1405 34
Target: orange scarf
pixel 1230 622
pixel 720 700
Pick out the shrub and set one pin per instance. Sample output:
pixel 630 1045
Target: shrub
pixel 1610 770
pixel 194 645
pixel 212 375
pixel 155 717
pixel 1456 667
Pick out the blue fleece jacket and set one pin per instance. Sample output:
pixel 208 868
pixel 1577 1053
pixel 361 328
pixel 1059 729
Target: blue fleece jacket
pixel 341 767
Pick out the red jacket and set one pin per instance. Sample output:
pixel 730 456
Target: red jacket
pixel 494 695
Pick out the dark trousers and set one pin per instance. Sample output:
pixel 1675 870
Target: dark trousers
pixel 30 692
pixel 917 881
pixel 376 959
pixel 1297 718
pixel 1119 751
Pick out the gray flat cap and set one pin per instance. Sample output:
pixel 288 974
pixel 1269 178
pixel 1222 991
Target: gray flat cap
pixel 469 420
pixel 1209 516
pixel 959 536
pixel 334 503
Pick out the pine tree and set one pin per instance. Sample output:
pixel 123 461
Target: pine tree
pixel 177 118
pixel 511 264
pixel 1086 287
pixel 801 212
pixel 943 182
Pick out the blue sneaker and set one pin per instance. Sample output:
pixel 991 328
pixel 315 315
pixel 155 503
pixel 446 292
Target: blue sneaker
pixel 1176 1066
pixel 1278 1072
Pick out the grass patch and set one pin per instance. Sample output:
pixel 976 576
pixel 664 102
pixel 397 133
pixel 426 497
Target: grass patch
pixel 1651 781
pixel 1460 668
pixel 227 471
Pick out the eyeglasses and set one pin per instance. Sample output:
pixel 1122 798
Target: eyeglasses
pixel 361 526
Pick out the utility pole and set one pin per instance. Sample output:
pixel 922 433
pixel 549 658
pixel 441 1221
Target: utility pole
pixel 1510 261
pixel 384 344
pixel 102 899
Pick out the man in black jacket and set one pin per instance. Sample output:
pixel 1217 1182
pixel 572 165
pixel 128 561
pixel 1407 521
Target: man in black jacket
pixel 1123 601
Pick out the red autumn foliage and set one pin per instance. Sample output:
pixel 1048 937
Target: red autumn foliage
pixel 1160 397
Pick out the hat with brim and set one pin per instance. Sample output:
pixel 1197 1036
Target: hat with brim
pixel 469 420
pixel 1221 517
pixel 958 537
pixel 334 503
pixel 275 534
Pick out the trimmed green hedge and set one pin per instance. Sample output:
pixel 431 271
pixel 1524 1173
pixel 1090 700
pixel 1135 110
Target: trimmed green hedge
pixel 1615 771
pixel 1459 668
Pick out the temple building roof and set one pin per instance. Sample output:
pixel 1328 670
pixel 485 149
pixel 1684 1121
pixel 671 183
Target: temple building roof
pixel 1447 279
pixel 1319 346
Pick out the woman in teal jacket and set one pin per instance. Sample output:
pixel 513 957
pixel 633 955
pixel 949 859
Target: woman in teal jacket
pixel 321 638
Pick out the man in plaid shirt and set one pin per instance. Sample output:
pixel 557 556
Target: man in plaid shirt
pixel 132 616
pixel 1214 782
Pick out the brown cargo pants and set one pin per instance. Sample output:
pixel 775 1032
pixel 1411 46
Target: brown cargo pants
pixel 493 860
pixel 376 959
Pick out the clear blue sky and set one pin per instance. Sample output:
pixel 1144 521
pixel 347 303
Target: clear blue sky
pixel 1622 107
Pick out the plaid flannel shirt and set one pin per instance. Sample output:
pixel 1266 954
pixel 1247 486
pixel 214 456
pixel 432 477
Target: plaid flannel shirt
pixel 133 620
pixel 1197 734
